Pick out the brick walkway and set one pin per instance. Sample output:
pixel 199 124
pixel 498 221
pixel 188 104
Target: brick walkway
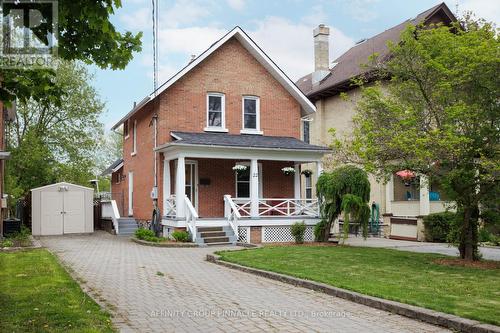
pixel 175 290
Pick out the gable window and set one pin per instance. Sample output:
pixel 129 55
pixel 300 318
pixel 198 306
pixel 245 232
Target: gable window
pixel 134 134
pixel 216 118
pixel 125 129
pixel 251 114
pixel 306 135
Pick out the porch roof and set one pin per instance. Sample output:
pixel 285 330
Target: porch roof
pixel 244 141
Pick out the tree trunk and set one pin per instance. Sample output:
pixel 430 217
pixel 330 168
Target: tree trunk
pixel 468 235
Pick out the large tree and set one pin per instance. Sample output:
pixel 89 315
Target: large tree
pixel 56 141
pixel 438 115
pixel 86 34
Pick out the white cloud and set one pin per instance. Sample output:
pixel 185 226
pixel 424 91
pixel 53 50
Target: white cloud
pixel 137 20
pixel 236 4
pixel 291 45
pixel 184 12
pixel 188 41
pixel 487 9
pixel 361 10
pixel 181 12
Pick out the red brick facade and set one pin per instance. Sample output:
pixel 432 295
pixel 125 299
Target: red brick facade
pixel 230 70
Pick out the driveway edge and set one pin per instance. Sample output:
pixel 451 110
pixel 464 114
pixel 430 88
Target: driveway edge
pixel 410 311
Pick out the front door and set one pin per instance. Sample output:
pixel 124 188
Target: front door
pixel 192 182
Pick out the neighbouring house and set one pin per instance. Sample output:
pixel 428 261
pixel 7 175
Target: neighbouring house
pixel 401 201
pixel 224 140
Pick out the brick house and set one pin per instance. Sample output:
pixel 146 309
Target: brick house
pixel 229 108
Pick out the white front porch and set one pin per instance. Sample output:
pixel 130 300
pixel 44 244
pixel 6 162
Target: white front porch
pixel 190 200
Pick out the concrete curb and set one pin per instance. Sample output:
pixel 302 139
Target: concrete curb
pixel 175 245
pixel 428 316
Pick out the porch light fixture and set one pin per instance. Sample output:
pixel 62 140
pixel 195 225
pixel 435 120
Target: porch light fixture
pixel 288 171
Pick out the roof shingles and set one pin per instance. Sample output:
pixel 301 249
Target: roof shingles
pixel 244 140
pixel 350 64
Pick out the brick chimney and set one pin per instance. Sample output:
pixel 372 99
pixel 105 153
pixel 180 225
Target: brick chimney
pixel 321 55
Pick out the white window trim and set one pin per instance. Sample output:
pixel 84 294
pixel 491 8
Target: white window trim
pixel 223 109
pixel 257 112
pixel 134 143
pixel 259 166
pixel 308 187
pixel 303 121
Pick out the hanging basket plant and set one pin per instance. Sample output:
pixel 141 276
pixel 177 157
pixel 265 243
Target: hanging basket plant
pixel 288 171
pixel 240 169
pixel 307 172
pixel 407 176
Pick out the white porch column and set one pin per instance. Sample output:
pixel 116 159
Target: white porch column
pixel 319 168
pixel 389 195
pixel 180 187
pixel 296 182
pixel 425 205
pixel 254 188
pixel 167 189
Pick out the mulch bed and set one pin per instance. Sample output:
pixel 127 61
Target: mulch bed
pixel 164 243
pixel 469 264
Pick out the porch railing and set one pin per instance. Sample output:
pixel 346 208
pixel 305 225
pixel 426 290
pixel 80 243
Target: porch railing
pixel 170 210
pixel 274 207
pixel 232 214
pixel 191 217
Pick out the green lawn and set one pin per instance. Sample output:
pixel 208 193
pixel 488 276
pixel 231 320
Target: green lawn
pixel 406 277
pixel 38 295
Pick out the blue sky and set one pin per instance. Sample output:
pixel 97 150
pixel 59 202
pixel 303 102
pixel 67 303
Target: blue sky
pixel 282 28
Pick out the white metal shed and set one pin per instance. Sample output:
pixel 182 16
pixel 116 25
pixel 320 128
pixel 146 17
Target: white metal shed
pixel 62 208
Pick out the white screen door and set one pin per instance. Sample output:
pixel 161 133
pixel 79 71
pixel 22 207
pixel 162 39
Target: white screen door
pixel 192 182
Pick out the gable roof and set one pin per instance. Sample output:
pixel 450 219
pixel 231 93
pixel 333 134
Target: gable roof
pixel 254 50
pixel 243 141
pixel 115 166
pixel 347 66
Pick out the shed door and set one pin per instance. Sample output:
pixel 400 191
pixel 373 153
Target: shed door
pixel 52 217
pixel 74 212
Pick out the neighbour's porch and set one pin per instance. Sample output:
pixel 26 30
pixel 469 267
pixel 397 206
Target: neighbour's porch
pixel 202 190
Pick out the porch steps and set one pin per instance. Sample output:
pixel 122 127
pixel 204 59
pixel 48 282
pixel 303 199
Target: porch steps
pixel 215 236
pixel 127 226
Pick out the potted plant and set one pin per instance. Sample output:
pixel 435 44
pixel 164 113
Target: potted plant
pixel 240 169
pixel 288 171
pixel 307 172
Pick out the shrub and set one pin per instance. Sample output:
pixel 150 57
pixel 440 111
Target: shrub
pixel 180 236
pixel 298 230
pixel 6 243
pixel 438 226
pixel 318 230
pixel 147 235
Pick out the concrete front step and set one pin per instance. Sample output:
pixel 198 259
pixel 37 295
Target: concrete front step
pixel 219 244
pixel 215 240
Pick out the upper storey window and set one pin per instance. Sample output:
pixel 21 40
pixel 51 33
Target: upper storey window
pixel 216 118
pixel 251 114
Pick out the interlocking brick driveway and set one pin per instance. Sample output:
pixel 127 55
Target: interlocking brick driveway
pixel 175 290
